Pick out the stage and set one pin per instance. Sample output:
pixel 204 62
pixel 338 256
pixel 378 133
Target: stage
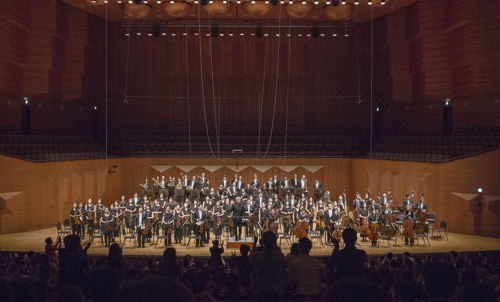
pixel 35 241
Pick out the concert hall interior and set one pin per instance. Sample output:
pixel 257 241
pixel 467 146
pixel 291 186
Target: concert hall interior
pixel 386 112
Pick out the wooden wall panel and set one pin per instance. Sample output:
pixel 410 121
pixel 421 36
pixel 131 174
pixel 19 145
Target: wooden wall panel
pixel 490 218
pixel 13 212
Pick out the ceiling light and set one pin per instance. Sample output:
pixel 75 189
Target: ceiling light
pixel 290 2
pixel 105 1
pixel 282 2
pixel 130 1
pixel 163 33
pixel 158 2
pixel 369 2
pixel 230 34
pixel 94 1
pixel 346 33
pixel 242 33
pixel 343 2
pixel 356 2
pixel 253 2
pixel 266 2
pixel 322 34
pixel 308 35
pixel 127 32
pixel 238 1
pixel 119 1
pixel 184 33
pixel 196 33
pixel 304 2
pixel 382 2
pixel 145 1
pixel 277 35
pixel 266 34
pixel 172 1
pixel 327 2
pixel 195 1
pixel 316 2
pixel 289 35
pixel 211 2
pixel 300 35
pixel 172 34
pixel 224 1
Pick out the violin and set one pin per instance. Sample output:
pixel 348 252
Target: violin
pixel 188 220
pixel 206 225
pixel 178 221
pixel 109 227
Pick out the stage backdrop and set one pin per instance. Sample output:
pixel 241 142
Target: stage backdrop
pixel 35 196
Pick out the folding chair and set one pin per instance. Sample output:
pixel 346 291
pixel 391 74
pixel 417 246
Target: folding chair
pixel 96 233
pixel 192 236
pixel 131 236
pixel 317 236
pixel 423 235
pixel 60 231
pixel 67 225
pixel 442 228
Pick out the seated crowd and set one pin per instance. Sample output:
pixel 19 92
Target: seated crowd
pixel 261 274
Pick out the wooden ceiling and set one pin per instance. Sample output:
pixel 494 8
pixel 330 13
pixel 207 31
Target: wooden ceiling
pixel 247 10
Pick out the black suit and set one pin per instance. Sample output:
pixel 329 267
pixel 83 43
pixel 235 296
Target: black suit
pixel 225 183
pixel 422 205
pixel 237 210
pixel 199 217
pixel 139 222
pixel 248 211
pixel 320 186
pixel 255 183
pixel 406 202
pixel 296 182
pixel 240 184
pixel 186 182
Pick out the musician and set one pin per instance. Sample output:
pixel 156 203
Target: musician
pixel 240 183
pixel 387 209
pixel 248 210
pixel 185 181
pixel 320 209
pixel 251 201
pixel 90 216
pixel 255 183
pixel 409 214
pixel 342 206
pixel 206 189
pixel 212 195
pixel 195 188
pixel 206 231
pixel 136 200
pixel 261 201
pixel 373 205
pixel 358 202
pixel 363 214
pixel 249 190
pixel 167 220
pixel 146 191
pixel 245 194
pixel 237 210
pixel 318 185
pixel 157 214
pixel 106 227
pixel 384 199
pixel 233 190
pixel 303 199
pixel 235 179
pixel 178 224
pixel 162 187
pixel 156 186
pixel 217 223
pixel 373 218
pixel 199 217
pixel 170 187
pixel 295 182
pixel 408 200
pixel 303 184
pixel 115 212
pixel 287 211
pixel 140 225
pixel 329 218
pixel 144 202
pixel 123 203
pixel 99 208
pixel 161 200
pixel 149 216
pixel 73 214
pixel 368 200
pixel 129 210
pixel 276 184
pixel 309 208
pixel 303 217
pixel 203 179
pixel 224 182
pixel 186 216
pixel 422 205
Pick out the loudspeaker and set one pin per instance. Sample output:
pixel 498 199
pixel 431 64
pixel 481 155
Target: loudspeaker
pixel 447 120
pixel 95 124
pixel 25 119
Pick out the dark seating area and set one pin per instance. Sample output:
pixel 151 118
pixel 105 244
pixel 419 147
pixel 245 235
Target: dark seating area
pixel 49 147
pixel 238 143
pixel 463 142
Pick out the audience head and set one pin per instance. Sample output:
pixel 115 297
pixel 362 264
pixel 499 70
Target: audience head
pixel 244 249
pixel 114 250
pixel 48 240
pixel 269 240
pixel 305 245
pixel 349 235
pixel 440 280
pixel 294 249
pixel 72 242
pixel 170 254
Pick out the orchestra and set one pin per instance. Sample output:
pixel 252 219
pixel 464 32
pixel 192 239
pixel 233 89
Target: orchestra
pixel 241 210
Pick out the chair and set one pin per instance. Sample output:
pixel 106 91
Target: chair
pixel 192 236
pixel 442 228
pixel 131 236
pixel 67 225
pixel 162 237
pixel 423 235
pixel 317 236
pixel 96 233
pixel 60 231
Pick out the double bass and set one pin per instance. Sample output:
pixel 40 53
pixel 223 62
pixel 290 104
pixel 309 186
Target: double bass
pixel 408 225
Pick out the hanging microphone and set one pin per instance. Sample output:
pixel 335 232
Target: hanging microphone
pixel 359 102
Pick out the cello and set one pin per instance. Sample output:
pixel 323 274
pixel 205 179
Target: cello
pixel 364 227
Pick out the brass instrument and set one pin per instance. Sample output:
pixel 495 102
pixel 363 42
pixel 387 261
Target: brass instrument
pixel 305 185
pixel 179 185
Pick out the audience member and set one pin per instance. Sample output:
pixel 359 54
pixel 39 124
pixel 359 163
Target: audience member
pixel 268 265
pixel 244 267
pixel 294 253
pixel 216 253
pixel 440 281
pixel 305 272
pixel 168 266
pixel 51 248
pixel 349 261
pixel 104 284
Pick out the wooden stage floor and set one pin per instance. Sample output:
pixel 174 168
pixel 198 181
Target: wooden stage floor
pixel 35 241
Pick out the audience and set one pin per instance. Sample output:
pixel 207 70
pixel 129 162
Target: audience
pixel 305 272
pixel 257 275
pixel 268 265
